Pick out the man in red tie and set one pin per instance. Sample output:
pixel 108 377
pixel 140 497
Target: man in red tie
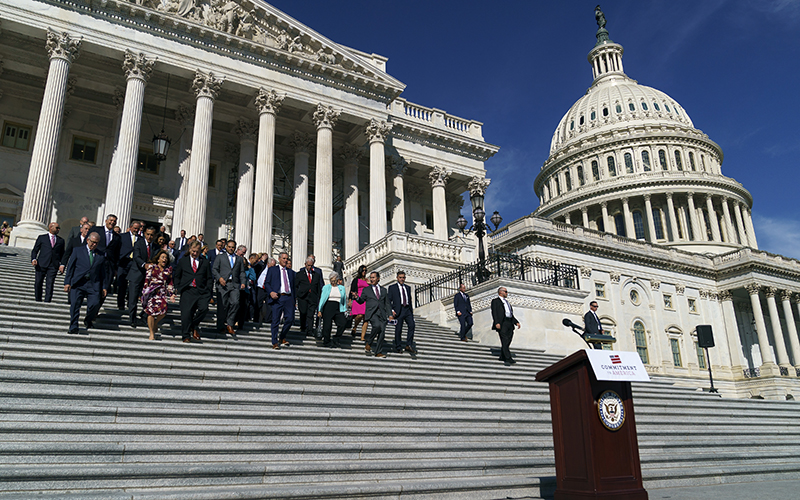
pixel 194 282
pixel 308 284
pixel 279 285
pixel 377 313
pixel 46 260
pixel 143 250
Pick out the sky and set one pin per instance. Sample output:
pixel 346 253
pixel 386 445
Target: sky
pixel 518 66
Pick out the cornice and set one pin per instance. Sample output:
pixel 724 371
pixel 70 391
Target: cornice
pixel 441 139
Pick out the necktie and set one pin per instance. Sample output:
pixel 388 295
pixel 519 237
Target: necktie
pixel 510 310
pixel 285 280
pixel 52 240
pixel 91 258
pixel 148 251
pixel 194 268
pixel 231 259
pixel 309 274
pixel 133 237
pixel 403 294
pixel 108 237
pixel 377 292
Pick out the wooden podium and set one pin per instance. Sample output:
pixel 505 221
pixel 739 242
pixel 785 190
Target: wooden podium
pixel 592 460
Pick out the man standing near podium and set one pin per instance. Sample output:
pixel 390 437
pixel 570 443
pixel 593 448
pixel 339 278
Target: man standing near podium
pixel 591 323
pixel 503 321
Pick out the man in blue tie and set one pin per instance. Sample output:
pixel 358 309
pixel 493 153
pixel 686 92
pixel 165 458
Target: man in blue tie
pixel 229 277
pixel 463 309
pixel 279 285
pixel 85 278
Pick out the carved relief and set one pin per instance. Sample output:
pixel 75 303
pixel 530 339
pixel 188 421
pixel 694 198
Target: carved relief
pixel 206 84
pixel 301 142
pixel 586 271
pixel 680 288
pixel 439 176
pixel 378 130
pixel 413 192
pixel 325 116
pixel 655 284
pixel 614 276
pixel 62 45
pixel 137 65
pixel 118 98
pixel 269 101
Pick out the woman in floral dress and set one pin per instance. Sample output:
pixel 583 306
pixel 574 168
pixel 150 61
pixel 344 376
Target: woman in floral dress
pixel 157 288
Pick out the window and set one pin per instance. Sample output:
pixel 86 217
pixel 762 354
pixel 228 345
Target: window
pixel 558 185
pixel 147 162
pixel 595 171
pixel 655 106
pixel 628 163
pixel 581 180
pixel 568 181
pixel 16 136
pixel 646 161
pixel 601 225
pixel 593 115
pixel 212 176
pixel 612 166
pixel 667 108
pixel 692 305
pixel 429 219
pixel 572 125
pixel 631 106
pixel 701 356
pixel 691 161
pixel 619 222
pixel 600 290
pixel 668 301
pixel 676 352
pixel 644 106
pixel 635 298
pixel 638 225
pixel 703 162
pixel 581 121
pixel 662 159
pixel 605 111
pixel 618 109
pixel 657 223
pixel 678 162
pixel 641 340
pixel 83 149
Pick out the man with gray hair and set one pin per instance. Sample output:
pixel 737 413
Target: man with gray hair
pixel 308 287
pixel 262 297
pixel 503 321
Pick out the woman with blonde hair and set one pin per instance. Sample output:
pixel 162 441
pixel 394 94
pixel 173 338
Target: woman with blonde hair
pixel 332 306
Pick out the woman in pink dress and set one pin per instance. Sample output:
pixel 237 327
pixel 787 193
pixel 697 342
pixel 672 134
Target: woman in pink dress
pixel 357 310
pixel 157 288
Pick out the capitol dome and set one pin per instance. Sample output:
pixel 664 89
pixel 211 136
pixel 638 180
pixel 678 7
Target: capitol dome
pixel 626 159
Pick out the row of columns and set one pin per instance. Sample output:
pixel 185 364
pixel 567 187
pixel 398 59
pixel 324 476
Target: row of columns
pixel 781 352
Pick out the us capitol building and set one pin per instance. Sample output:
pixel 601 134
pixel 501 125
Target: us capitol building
pixel 268 132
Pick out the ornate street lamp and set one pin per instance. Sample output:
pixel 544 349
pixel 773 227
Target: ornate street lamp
pixel 161 142
pixel 477 191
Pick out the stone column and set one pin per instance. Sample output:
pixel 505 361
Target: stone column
pixel 377 131
pixel 777 331
pixel 185 116
pixel 696 231
pixel 206 87
pixel 791 329
pixel 651 223
pixel 351 154
pixel 585 216
pixel 673 221
pixel 604 208
pixel 738 361
pixel 740 224
pixel 397 166
pixel 767 357
pixel 122 173
pixel 438 177
pixel 247 130
pixel 751 232
pixel 302 144
pixel 630 230
pixel 726 215
pixel 63 50
pixel 325 118
pixel 712 219
pixel 268 103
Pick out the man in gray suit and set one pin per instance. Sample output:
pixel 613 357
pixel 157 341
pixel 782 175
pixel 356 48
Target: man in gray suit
pixel 378 311
pixel 229 276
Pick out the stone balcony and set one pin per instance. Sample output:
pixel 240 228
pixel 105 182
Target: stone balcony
pixel 436 118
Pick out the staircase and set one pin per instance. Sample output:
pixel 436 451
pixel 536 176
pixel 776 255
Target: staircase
pixel 109 414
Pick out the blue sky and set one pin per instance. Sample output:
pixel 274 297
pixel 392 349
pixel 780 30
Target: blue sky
pixel 518 66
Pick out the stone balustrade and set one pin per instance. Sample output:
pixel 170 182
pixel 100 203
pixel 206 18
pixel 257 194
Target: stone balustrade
pixel 436 118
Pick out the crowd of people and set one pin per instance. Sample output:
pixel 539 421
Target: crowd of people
pixel 144 266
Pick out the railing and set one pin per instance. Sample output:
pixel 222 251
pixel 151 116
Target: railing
pixel 499 265
pixel 436 118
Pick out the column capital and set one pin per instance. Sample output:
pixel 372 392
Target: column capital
pixel 725 295
pixel 378 130
pixel 438 176
pixel 586 271
pixel 647 196
pixel 247 130
pixel 655 284
pixel 668 195
pixel 584 210
pixel 771 291
pixel 752 288
pixel 206 84
pixel 185 115
pixel 690 195
pixel 615 276
pixel 325 117
pixel 301 142
pixel 680 288
pixel 396 165
pixel 269 101
pixel 786 295
pixel 709 196
pixel 604 204
pixel 796 299
pixel 624 200
pixel 477 186
pixel 137 66
pixel 63 46
pixel 350 153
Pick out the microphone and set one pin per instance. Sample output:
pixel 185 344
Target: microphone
pixel 569 323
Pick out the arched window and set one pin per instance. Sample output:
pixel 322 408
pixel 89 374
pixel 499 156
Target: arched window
pixel 581 121
pixel 628 163
pixel 558 185
pixel 641 340
pixel 678 162
pixel 691 161
pixel 703 162
pixel 572 125
pixel 631 106
pixel 568 181
pixel 667 106
pixel 646 161
pixel 619 108
pixel 593 115
pixel 657 224
pixel 601 225
pixel 638 225
pixel 581 180
pixel 655 106
pixel 605 111
pixel 595 171
pixel 644 106
pixel 619 221
pixel 662 159
pixel 612 166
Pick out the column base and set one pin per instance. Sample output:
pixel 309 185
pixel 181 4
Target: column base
pixel 770 370
pixel 25 233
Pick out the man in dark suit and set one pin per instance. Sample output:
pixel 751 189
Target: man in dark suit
pixel 108 246
pixel 180 242
pixel 378 311
pixel 46 259
pixel 216 251
pixel 127 244
pixel 229 279
pixel 143 250
pixel 463 308
pixel 403 312
pixel 193 281
pixel 76 242
pixel 308 288
pixel 279 285
pixel 262 297
pixel 591 323
pixel 85 278
pixel 76 230
pixel 503 321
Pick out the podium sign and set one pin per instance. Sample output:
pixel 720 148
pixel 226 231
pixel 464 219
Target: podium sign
pixel 617 365
pixel 594 430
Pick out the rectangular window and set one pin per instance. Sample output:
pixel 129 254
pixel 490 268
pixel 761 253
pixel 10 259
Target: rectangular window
pixel 429 219
pixel 212 176
pixel 600 290
pixel 657 223
pixel 83 149
pixel 676 352
pixel 146 162
pixel 692 305
pixel 16 136
pixel 667 301
pixel 701 356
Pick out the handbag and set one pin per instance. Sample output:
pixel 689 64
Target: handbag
pixel 318 331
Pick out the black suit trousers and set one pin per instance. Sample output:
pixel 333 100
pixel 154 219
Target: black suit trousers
pixel 466 324
pixel 46 277
pixel 330 315
pixel 194 307
pixel 506 335
pixel 228 304
pixel 135 286
pixel 122 287
pixel 405 315
pixel 378 331
pixel 307 307
pixel 84 289
pixel 263 308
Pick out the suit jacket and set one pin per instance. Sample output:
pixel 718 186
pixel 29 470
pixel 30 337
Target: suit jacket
pixel 499 313
pixel 140 257
pixel 182 275
pixel 79 266
pixel 45 255
pixel 180 243
pixel 463 306
pixel 306 289
pixel 222 269
pixel 72 245
pixel 112 252
pixel 377 307
pixel 212 254
pixel 126 249
pixel 259 266
pixel 396 301
pixel 590 324
pixel 75 231
pixel 272 283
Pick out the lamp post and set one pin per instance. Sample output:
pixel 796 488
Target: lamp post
pixel 477 189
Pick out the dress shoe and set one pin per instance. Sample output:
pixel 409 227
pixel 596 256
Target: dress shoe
pixel 229 329
pixel 276 346
pixel 464 340
pixel 511 361
pixel 186 340
pixel 411 349
pixel 132 321
pixel 284 342
pixel 195 335
pixel 380 355
pixel 88 324
pixel 73 331
pixel 367 348
pixel 398 350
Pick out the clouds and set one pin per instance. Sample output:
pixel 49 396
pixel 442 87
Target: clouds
pixel 511 191
pixel 778 235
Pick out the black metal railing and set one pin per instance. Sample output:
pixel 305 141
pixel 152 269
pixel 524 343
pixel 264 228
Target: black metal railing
pixel 498 265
